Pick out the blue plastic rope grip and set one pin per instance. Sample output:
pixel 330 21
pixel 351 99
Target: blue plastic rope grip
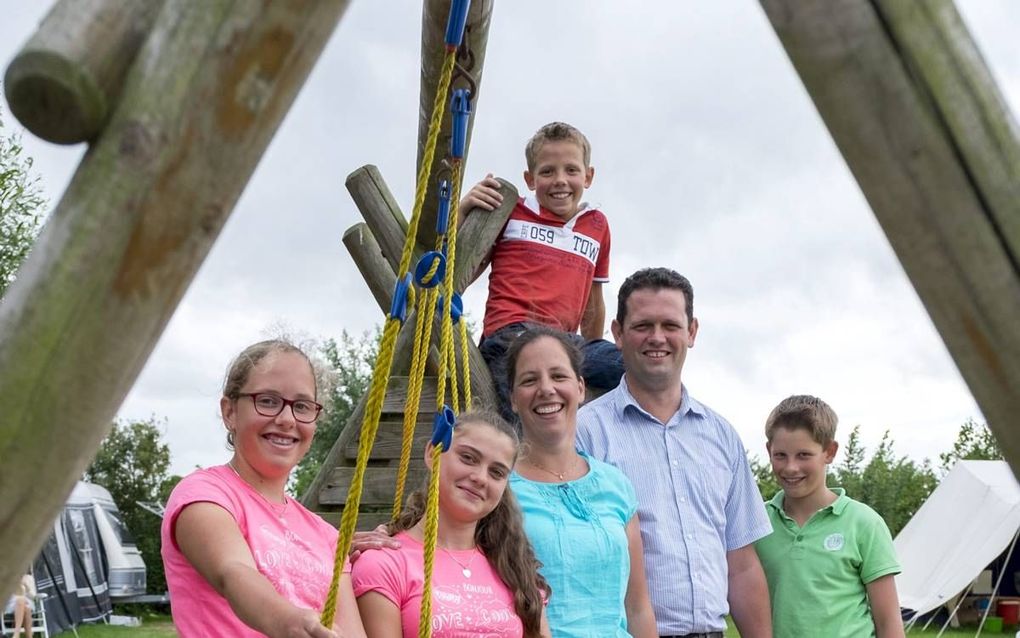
pixel 456 23
pixel 443 215
pixel 398 307
pixel 460 106
pixel 442 428
pixel 456 308
pixel 421 271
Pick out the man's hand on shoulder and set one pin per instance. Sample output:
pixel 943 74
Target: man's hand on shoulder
pixel 485 195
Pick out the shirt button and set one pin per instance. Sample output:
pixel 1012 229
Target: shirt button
pixel 676 463
pixel 683 500
pixel 690 536
pixel 800 537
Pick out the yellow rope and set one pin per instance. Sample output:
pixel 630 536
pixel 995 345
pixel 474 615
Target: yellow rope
pixel 423 336
pixel 384 362
pixel 369 427
pixel 438 110
pixel 431 532
pixel 451 260
pixel 466 368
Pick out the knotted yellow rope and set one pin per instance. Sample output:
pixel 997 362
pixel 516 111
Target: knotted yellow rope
pixel 384 362
pixel 423 337
pixel 431 532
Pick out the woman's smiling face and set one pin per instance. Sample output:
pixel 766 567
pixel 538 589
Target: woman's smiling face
pixel 473 475
pixel 546 389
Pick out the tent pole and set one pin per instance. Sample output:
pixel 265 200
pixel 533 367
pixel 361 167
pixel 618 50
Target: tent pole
pixel 998 582
pixel 60 594
pixel 952 614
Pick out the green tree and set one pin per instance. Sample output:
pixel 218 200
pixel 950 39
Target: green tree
pixel 346 378
pixel 133 463
pixel 894 486
pixel 21 201
pixel 762 471
pixel 974 441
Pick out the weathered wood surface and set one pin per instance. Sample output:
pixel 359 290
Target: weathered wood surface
pixel 63 84
pixel 366 520
pixel 368 257
pixel 198 108
pixel 389 438
pixel 380 210
pixel 476 237
pixel 433 30
pixel 377 489
pixel 912 107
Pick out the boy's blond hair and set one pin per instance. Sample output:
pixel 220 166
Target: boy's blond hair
pixel 556 132
pixel 804 412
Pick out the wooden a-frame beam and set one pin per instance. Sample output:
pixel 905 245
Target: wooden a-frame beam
pixel 910 103
pixel 199 106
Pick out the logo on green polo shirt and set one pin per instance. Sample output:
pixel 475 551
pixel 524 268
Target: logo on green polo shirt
pixel 834 542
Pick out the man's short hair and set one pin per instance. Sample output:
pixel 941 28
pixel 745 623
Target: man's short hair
pixel 654 279
pixel 804 412
pixel 556 132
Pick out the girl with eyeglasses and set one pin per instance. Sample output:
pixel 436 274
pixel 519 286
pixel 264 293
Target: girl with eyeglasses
pixel 241 557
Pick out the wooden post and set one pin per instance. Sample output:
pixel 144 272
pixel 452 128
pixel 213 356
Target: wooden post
pixel 433 30
pixel 480 231
pixel 373 198
pixel 369 259
pixel 64 83
pixel 910 104
pixel 475 239
pixel 198 108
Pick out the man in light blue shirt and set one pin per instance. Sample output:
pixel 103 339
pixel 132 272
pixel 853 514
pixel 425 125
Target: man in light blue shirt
pixel 698 504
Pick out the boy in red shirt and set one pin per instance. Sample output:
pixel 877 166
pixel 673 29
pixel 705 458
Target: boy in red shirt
pixel 550 262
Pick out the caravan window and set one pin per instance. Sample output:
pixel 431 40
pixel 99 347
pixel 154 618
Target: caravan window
pixel 119 528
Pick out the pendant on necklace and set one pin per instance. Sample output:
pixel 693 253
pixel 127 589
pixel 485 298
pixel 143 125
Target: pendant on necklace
pixel 466 572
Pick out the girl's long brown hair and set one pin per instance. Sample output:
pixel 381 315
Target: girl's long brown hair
pixel 500 535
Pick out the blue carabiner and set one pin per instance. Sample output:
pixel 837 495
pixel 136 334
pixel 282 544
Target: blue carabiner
pixel 456 308
pixel 460 106
pixel 421 271
pixel 398 307
pixel 442 428
pixel 443 214
pixel 456 22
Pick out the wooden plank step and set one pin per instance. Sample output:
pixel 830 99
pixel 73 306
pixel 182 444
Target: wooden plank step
pixel 396 396
pixel 377 489
pixel 388 441
pixel 366 520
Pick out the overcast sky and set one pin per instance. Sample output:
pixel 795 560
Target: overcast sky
pixel 710 158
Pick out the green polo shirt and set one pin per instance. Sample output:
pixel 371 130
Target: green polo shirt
pixel 818 573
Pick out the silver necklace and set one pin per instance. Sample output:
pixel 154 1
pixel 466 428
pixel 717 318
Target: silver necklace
pixel 277 508
pixel 464 568
pixel 559 475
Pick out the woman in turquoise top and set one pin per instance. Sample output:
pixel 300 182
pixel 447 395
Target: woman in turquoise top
pixel 579 513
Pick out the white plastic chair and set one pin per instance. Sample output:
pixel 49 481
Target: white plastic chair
pixel 39 627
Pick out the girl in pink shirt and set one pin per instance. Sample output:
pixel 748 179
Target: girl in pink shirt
pixel 485 581
pixel 241 558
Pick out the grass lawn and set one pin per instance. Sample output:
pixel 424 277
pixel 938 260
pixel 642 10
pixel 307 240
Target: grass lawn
pixel 162 627
pixel 152 627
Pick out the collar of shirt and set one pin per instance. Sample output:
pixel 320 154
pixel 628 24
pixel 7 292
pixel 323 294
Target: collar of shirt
pixel 622 399
pixel 837 507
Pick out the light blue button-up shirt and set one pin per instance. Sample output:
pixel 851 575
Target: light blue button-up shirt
pixel 697 500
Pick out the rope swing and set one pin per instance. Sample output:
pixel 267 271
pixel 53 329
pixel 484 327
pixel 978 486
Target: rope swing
pixel 432 274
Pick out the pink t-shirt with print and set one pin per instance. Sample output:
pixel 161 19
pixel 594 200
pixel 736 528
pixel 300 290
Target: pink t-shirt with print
pixel 292 547
pixel 462 607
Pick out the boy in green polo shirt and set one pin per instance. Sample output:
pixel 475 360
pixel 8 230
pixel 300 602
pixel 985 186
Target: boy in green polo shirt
pixel 829 560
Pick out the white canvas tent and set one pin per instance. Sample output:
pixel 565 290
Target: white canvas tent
pixel 968 521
